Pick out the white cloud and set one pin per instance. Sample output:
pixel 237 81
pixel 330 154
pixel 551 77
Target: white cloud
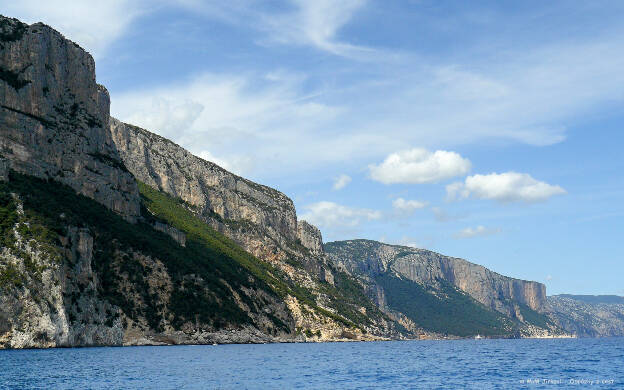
pixel 333 215
pixel 341 182
pixel 407 206
pixel 549 277
pixel 418 166
pixel 298 22
pixel 94 25
pixel 441 215
pixel 478 231
pixel 264 118
pixel 238 165
pixel 504 187
pixel 316 23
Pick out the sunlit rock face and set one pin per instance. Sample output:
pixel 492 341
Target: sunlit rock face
pixel 54 116
pixel 491 289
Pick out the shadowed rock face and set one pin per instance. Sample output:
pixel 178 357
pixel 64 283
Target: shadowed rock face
pixel 54 116
pixel 491 289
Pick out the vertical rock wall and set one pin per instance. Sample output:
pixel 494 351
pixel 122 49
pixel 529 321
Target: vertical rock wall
pixel 54 116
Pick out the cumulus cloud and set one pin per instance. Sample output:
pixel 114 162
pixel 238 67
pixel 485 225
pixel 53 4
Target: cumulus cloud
pixel 341 182
pixel 407 206
pixel 333 215
pixel 478 231
pixel 504 187
pixel 417 166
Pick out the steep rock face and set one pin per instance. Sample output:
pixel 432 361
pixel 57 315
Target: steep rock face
pixel 262 221
pixel 4 169
pixel 236 205
pixel 54 117
pixel 491 289
pixel 310 237
pixel 48 294
pixel 588 316
pixel 111 282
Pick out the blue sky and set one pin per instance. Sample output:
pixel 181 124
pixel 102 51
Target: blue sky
pixel 490 131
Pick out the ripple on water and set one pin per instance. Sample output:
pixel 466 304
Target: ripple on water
pixel 486 364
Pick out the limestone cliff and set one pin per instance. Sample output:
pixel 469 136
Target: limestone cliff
pixel 588 315
pixel 491 289
pixel 167 248
pixel 260 219
pixel 73 273
pixel 54 116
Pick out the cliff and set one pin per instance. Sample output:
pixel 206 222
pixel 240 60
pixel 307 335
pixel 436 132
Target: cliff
pixel 261 220
pixel 588 315
pixel 54 117
pixel 380 265
pixel 73 273
pixel 113 235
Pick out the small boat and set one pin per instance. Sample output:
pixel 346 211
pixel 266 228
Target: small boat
pixel 478 337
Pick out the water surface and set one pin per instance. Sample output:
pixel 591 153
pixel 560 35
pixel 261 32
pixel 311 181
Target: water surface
pixel 479 364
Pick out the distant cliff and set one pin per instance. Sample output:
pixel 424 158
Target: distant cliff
pixel 382 265
pixel 588 315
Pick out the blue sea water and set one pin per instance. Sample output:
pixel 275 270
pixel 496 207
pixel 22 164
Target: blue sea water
pixel 478 364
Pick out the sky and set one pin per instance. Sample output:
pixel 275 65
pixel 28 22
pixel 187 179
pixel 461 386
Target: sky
pixel 486 130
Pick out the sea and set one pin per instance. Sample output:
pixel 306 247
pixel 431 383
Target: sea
pixel 443 364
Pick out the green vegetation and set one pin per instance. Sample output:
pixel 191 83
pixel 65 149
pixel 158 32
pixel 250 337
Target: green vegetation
pixel 199 272
pixel 532 317
pixel 176 213
pixel 10 277
pixel 104 159
pixel 444 309
pixel 348 296
pixel 13 79
pixel 11 29
pixel 204 273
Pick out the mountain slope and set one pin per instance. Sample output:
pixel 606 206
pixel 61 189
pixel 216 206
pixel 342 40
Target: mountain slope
pixel 263 221
pixel 483 301
pixel 588 315
pixel 114 235
pixel 98 279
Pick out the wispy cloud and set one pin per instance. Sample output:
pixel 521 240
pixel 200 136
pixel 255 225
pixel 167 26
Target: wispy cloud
pixel 243 117
pixel 94 25
pixel 341 182
pixel 442 215
pixel 478 231
pixel 294 22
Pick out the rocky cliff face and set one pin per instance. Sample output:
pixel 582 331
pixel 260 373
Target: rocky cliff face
pixel 260 219
pixel 190 253
pixel 110 282
pixel 588 316
pixel 54 116
pixel 491 289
